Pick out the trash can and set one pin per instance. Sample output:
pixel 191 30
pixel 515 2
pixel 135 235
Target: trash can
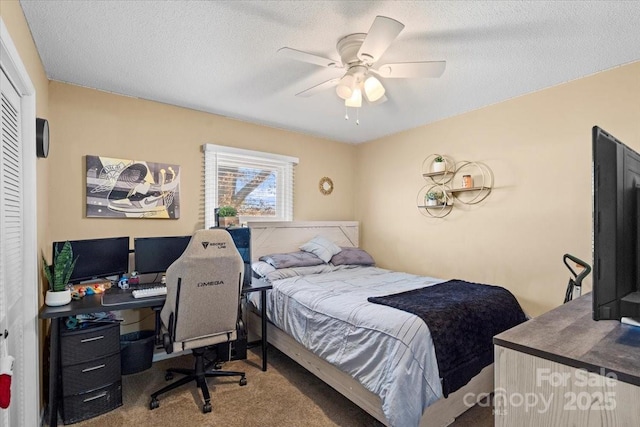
pixel 136 351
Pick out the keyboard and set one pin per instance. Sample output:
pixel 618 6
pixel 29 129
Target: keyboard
pixel 149 292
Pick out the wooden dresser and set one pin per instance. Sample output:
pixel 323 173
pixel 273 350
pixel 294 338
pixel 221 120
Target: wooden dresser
pixel 563 368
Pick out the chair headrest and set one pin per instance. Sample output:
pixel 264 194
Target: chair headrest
pixel 210 243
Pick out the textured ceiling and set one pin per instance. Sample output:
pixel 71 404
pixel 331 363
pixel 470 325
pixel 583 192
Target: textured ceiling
pixel 220 56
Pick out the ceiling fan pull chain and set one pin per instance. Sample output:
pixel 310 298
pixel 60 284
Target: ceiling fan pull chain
pixel 346 113
pixel 357 117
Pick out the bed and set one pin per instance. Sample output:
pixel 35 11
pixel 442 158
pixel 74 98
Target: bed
pixel 386 367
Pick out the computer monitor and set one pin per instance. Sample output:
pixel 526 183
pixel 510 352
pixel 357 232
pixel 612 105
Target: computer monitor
pixel 242 238
pixel 616 234
pixel 156 254
pixel 98 258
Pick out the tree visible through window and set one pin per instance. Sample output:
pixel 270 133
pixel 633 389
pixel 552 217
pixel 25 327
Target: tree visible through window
pixel 251 191
pixel 259 185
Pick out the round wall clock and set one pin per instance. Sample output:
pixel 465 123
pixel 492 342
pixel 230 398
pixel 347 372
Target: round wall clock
pixel 326 185
pixel 42 138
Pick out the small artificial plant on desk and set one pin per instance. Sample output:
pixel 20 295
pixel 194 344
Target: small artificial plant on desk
pixel 58 275
pixel 227 216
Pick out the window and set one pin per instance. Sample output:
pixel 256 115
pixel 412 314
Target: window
pixel 259 185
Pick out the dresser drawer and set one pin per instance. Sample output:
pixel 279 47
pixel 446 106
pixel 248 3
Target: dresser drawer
pixel 88 344
pixel 90 375
pixel 88 405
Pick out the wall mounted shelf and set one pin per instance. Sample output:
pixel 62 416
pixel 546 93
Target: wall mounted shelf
pixel 437 174
pixel 473 183
pixel 462 190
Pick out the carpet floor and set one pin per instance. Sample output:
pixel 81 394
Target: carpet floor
pixel 285 395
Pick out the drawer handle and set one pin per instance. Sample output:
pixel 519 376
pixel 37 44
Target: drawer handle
pixel 95 397
pixel 94 368
pixel 92 339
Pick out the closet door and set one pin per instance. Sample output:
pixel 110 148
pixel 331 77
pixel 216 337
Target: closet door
pixel 11 237
pixel 18 235
pixel 18 283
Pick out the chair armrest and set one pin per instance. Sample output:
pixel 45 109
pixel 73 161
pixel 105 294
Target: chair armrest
pixel 167 338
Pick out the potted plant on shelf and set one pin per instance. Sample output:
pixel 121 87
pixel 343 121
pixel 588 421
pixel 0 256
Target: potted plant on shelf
pixel 227 216
pixel 434 198
pixel 58 275
pixel 439 164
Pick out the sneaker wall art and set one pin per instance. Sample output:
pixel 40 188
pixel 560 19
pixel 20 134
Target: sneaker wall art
pixel 121 188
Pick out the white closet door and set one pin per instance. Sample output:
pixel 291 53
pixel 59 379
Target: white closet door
pixel 11 246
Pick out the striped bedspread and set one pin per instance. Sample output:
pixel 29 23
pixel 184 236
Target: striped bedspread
pixel 390 352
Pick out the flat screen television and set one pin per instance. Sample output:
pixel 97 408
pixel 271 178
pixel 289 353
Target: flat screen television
pixel 98 258
pixel 156 254
pixel 616 234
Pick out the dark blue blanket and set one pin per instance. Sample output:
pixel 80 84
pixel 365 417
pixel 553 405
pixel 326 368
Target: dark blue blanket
pixel 463 317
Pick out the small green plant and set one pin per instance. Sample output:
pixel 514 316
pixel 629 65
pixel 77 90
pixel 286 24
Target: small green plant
pixel 224 211
pixel 439 159
pixel 435 195
pixel 59 272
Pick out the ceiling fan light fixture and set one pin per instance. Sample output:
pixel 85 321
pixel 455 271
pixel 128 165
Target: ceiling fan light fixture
pixel 355 100
pixel 346 86
pixel 373 89
pixel 360 54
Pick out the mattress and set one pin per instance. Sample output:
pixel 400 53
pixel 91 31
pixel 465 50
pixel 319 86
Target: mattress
pixel 389 351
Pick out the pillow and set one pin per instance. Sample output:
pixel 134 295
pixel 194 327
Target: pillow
pixel 321 247
pixel 261 268
pixel 292 259
pixel 352 256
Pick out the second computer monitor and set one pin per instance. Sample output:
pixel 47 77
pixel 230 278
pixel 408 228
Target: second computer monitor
pixel 156 254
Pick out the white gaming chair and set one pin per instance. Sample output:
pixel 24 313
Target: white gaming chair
pixel 201 309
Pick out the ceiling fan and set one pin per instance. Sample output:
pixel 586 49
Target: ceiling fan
pixel 360 53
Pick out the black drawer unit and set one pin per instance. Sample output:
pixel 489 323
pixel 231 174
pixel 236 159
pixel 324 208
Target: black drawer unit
pixel 91 377
pixel 87 405
pixel 80 345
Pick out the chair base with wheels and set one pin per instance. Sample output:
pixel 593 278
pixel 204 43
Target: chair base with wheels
pixel 199 374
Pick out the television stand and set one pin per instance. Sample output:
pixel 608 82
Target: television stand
pixel 630 305
pixel 586 372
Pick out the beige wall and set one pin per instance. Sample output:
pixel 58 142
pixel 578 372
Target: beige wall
pixel 539 148
pixel 90 122
pixel 99 123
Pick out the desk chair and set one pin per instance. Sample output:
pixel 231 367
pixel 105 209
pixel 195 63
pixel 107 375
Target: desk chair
pixel 201 309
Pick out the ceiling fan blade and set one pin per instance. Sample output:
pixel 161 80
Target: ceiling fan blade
pixel 403 70
pixel 318 88
pixel 298 55
pixel 382 33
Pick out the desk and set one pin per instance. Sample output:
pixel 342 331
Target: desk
pixel 93 304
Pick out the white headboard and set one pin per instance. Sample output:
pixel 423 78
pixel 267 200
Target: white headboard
pixel 281 237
